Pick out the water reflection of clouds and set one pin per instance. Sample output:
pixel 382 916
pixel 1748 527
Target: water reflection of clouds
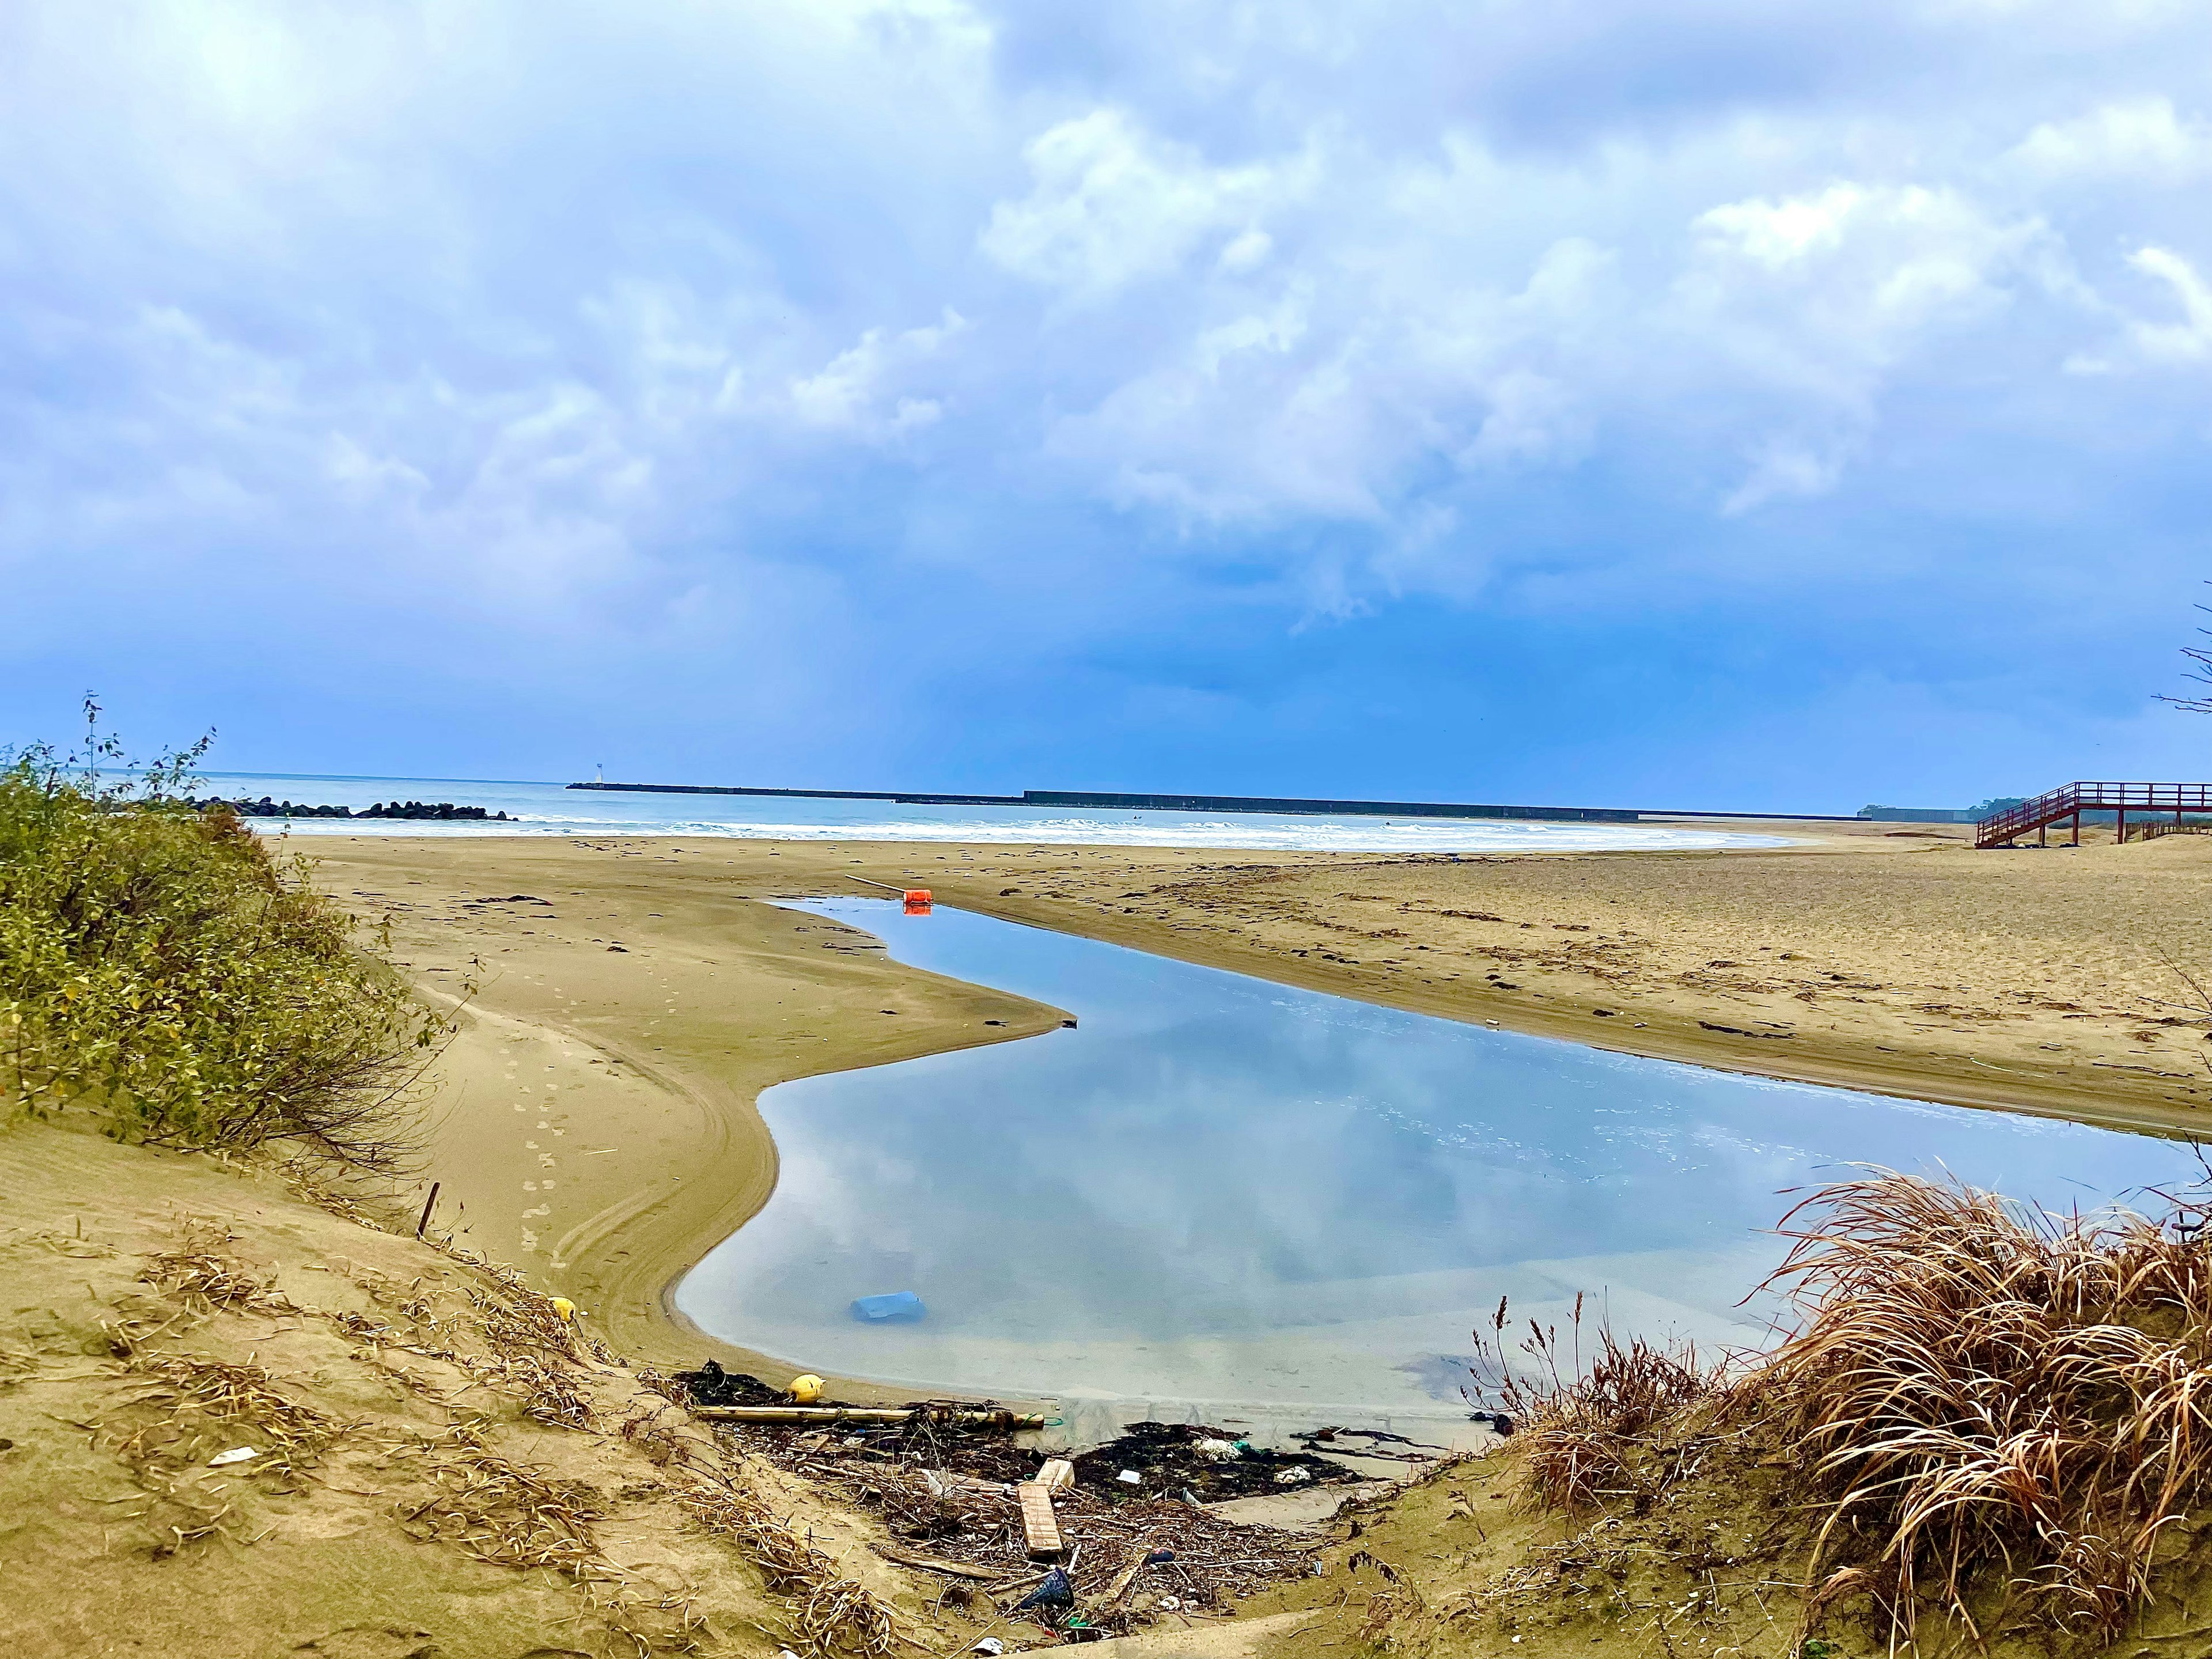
pixel 1213 1174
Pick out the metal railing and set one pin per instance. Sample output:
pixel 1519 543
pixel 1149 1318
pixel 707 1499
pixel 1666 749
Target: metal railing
pixel 2065 801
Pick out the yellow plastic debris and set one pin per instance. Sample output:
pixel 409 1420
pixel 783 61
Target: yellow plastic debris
pixel 565 1308
pixel 808 1388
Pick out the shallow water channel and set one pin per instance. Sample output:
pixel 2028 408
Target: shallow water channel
pixel 1220 1192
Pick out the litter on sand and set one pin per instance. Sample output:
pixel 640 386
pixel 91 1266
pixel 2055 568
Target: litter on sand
pixel 893 1305
pixel 1058 1590
pixel 710 1385
pixel 955 1496
pixel 235 1454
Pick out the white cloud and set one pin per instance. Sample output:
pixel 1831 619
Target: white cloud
pixel 1531 418
pixel 1781 470
pixel 1247 253
pixel 2136 139
pixel 551 300
pixel 856 392
pixel 2191 338
pixel 1823 300
pixel 1111 203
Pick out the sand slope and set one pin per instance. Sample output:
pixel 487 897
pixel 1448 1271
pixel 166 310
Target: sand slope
pixel 408 1416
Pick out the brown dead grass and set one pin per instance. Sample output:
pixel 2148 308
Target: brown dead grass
pixel 2001 1409
pixel 1584 1431
pixel 1986 1412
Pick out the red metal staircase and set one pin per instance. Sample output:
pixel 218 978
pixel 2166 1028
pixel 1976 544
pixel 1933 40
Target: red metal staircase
pixel 2070 801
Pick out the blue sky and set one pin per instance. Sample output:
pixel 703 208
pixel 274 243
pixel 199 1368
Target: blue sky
pixel 1716 403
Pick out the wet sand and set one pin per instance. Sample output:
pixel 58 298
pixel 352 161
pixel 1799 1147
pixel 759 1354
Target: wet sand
pixel 597 1123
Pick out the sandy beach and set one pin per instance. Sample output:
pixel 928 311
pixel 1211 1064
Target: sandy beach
pixel 596 1122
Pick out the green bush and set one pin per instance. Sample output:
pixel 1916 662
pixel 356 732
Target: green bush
pixel 159 968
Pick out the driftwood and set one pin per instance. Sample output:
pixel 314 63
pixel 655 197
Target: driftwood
pixel 939 1563
pixel 824 1415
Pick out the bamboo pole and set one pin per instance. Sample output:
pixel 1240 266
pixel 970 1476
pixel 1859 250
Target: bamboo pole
pixel 978 1418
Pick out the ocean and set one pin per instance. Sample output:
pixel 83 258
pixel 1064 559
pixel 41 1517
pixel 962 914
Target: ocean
pixel 551 809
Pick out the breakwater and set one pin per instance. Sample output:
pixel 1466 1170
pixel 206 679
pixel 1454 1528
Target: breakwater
pixel 442 812
pixel 1095 800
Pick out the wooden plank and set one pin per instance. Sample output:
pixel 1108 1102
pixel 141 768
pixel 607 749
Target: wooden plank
pixel 1039 1524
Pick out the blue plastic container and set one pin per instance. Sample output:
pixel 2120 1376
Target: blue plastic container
pixel 888 1309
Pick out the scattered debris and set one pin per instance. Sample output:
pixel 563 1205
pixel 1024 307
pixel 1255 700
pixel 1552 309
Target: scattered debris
pixel 1417 1451
pixel 952 1499
pixel 1188 1457
pixel 710 1385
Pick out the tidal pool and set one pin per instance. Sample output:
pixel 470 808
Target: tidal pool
pixel 1221 1192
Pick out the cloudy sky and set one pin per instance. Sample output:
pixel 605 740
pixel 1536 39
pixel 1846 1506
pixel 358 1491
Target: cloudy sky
pixel 1693 402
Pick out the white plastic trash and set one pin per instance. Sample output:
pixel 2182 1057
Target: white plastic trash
pixel 235 1454
pixel 1217 1451
pixel 990 1647
pixel 1293 1476
pixel 1130 1478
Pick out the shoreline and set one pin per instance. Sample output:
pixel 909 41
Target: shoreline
pixel 658 1028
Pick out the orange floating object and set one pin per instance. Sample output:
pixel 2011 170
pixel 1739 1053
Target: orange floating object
pixel 917 901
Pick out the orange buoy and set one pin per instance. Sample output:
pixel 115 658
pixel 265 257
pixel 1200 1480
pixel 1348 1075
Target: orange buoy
pixel 917 901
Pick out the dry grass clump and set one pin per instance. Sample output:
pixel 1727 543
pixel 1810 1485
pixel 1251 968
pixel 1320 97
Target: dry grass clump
pixel 1987 1410
pixel 510 1516
pixel 167 1433
pixel 524 1323
pixel 1585 1432
pixel 197 1273
pixel 1992 1402
pixel 194 1389
pixel 832 1614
